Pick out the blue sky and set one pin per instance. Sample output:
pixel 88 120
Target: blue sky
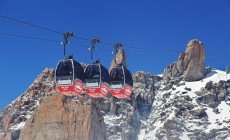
pixel 151 24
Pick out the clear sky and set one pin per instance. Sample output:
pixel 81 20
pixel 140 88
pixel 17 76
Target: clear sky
pixel 152 24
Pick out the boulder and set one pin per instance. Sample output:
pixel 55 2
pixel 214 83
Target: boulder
pixel 207 99
pixel 209 85
pixel 198 112
pixel 170 124
pixel 222 94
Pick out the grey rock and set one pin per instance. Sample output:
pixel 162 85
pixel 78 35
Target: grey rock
pixel 184 92
pixel 168 86
pixel 200 93
pixel 222 94
pixel 209 85
pixel 207 99
pixel 188 89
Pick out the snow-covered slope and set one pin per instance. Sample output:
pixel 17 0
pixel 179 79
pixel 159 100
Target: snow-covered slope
pixel 178 114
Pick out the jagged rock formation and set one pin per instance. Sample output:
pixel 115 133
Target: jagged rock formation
pixel 120 59
pixel 144 88
pixel 190 64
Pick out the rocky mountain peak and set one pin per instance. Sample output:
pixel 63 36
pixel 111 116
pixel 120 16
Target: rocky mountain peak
pixel 194 60
pixel 194 42
pixel 120 59
pixel 190 65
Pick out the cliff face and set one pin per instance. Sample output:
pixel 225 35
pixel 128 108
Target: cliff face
pixel 60 118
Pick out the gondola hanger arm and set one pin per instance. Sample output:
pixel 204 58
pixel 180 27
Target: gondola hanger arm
pixel 94 41
pixel 66 36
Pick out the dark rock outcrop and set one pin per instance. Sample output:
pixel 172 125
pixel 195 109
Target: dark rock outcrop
pixel 144 90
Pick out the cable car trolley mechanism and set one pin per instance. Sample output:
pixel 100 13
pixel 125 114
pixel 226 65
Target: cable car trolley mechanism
pixel 96 76
pixel 69 74
pixel 121 81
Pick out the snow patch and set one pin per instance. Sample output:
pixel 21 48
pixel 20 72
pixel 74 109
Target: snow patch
pixel 18 126
pixel 184 136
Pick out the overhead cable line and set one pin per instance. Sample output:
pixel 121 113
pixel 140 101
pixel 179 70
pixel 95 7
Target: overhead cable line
pixel 29 24
pixel 157 50
pixel 40 27
pixel 86 46
pixel 36 38
pixel 28 37
pixel 105 43
pixel 81 38
pixel 214 56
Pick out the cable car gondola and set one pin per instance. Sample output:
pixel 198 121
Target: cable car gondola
pixel 121 81
pixel 69 74
pixel 96 77
pixel 69 77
